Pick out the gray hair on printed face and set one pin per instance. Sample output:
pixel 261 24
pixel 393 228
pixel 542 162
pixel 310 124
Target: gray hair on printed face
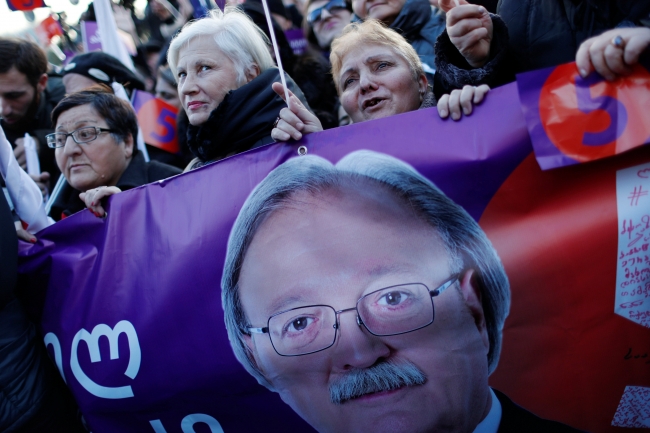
pixel 465 242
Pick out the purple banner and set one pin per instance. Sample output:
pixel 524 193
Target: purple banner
pixel 90 36
pixel 130 306
pixel 297 41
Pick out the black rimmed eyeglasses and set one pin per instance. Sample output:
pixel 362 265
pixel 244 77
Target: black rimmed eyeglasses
pixel 81 135
pixel 389 311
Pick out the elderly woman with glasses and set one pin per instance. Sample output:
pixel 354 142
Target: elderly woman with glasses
pixel 224 72
pixel 94 144
pixel 377 74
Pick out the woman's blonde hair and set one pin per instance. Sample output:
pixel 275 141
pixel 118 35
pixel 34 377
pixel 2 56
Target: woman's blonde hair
pixel 234 34
pixel 372 32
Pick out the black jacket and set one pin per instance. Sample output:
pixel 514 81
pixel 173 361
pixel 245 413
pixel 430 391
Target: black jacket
pixel 515 419
pixel 136 174
pixel 242 121
pixel 33 397
pixel 532 34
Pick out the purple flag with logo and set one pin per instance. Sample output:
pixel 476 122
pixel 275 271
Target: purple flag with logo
pixel 297 40
pixel 90 36
pixel 132 312
pixel 130 306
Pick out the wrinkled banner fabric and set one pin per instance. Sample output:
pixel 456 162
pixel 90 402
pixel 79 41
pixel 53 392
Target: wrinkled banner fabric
pixel 130 306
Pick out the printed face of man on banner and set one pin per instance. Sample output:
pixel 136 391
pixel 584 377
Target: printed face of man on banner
pixel 382 300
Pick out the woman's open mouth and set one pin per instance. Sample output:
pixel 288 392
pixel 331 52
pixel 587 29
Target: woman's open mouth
pixel 371 103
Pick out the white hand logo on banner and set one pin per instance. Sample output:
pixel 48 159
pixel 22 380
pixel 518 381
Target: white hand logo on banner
pixel 92 339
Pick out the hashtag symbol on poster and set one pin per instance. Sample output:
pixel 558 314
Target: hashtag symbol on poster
pixel 636 195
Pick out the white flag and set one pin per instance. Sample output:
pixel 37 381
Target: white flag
pixel 25 194
pixel 111 42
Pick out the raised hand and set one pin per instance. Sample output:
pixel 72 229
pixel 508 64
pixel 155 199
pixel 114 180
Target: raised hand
pixel 613 53
pixel 470 30
pixel 295 120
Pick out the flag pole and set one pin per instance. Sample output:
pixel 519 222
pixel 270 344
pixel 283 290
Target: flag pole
pixel 276 50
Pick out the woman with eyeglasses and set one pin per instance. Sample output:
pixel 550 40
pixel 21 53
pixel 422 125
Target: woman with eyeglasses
pixel 95 150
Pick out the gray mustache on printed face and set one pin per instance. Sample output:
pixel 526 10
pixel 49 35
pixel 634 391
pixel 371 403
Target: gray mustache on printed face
pixel 384 376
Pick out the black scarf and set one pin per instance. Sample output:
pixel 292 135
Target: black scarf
pixel 244 117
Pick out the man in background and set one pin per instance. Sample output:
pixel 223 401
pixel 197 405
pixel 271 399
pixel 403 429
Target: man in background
pixel 27 97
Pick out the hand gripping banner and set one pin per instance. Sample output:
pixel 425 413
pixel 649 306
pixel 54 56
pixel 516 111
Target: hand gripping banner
pixel 130 306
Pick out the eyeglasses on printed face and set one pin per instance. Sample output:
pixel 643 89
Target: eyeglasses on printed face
pixel 392 310
pixel 81 135
pixel 315 15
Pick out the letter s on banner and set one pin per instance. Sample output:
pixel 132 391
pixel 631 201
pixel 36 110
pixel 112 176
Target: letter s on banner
pixel 92 339
pixel 588 119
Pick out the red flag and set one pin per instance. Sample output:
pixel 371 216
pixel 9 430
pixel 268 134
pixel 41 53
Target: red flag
pixel 48 28
pixel 157 120
pixel 25 5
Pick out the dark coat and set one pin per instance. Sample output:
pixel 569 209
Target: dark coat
pixel 533 34
pixel 515 419
pixel 421 24
pixel 136 174
pixel 33 397
pixel 242 121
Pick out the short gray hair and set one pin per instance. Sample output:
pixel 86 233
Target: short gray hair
pixel 234 33
pixel 467 245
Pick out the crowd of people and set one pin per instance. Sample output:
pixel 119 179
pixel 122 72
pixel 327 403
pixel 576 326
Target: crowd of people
pixel 365 60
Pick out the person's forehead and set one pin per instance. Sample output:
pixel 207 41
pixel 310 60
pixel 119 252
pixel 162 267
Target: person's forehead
pixel 78 116
pixel 316 4
pixel 365 196
pixel 13 80
pixel 360 52
pixel 360 236
pixel 199 45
